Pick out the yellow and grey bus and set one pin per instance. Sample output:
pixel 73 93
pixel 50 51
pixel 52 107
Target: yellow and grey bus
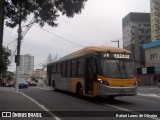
pixel 94 71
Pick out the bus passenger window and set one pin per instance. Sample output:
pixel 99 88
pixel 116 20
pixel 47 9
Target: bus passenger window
pixel 59 67
pixel 68 68
pixel 54 68
pixel 74 68
pixel 80 67
pixel 64 69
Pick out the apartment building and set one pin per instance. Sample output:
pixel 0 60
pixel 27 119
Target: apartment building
pixel 155 19
pixel 26 65
pixel 152 49
pixel 136 32
pixel 152 54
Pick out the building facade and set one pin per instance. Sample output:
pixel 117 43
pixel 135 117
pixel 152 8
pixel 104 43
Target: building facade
pixel 152 54
pixel 26 65
pixel 136 32
pixel 155 19
pixel 40 73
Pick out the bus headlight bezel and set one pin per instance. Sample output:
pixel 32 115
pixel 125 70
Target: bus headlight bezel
pixel 104 82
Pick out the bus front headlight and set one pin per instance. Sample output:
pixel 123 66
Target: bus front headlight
pixel 135 83
pixel 103 82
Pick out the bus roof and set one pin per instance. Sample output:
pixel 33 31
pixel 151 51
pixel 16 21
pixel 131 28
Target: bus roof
pixel 93 49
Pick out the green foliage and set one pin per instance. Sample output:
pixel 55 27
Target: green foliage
pixel 9 75
pixel 4 60
pixel 44 11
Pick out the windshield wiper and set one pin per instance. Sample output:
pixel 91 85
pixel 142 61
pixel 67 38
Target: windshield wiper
pixel 124 68
pixel 119 68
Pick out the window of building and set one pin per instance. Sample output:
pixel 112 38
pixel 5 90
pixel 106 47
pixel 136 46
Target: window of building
pixel 141 30
pixel 146 25
pixel 153 56
pixel 132 39
pixel 141 37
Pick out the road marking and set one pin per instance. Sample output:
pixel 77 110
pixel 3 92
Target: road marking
pixel 41 106
pixel 146 100
pixel 44 88
pixel 148 95
pixel 124 109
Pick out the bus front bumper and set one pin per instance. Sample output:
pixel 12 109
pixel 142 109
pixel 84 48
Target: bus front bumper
pixel 104 90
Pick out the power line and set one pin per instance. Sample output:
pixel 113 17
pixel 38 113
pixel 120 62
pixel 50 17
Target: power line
pixel 60 37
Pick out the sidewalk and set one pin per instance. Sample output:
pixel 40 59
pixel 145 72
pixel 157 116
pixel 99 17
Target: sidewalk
pixel 151 91
pixel 11 101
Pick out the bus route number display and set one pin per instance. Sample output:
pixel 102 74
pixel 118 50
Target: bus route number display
pixel 116 55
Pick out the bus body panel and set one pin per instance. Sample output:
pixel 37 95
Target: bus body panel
pixel 74 83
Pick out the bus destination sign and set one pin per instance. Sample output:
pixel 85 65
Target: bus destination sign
pixel 116 55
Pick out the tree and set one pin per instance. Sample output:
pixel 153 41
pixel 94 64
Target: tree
pixel 9 75
pixel 4 60
pixel 1 25
pixel 49 59
pixel 44 11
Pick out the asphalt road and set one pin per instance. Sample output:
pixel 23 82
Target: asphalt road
pixel 95 108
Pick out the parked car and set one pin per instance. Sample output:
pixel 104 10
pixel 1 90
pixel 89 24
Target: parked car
pixel 23 83
pixel 9 85
pixel 32 83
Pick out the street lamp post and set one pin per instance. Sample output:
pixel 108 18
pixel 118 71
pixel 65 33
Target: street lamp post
pixel 18 50
pixel 116 41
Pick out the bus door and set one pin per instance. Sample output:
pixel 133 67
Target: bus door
pixel 89 74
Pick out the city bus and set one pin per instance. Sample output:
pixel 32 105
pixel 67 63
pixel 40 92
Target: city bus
pixel 94 71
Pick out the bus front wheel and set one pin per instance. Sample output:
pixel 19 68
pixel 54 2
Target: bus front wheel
pixel 110 97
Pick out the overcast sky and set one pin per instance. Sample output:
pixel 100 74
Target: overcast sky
pixel 98 24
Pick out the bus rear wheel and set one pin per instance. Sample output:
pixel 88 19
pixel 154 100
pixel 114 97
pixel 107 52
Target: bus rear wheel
pixel 110 97
pixel 79 91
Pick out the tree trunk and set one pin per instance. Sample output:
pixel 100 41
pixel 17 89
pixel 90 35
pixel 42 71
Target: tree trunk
pixel 1 24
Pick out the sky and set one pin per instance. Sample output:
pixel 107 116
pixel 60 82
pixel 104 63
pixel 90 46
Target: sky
pixel 98 24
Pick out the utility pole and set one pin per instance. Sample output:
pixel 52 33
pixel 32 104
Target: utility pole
pixel 17 58
pixel 116 41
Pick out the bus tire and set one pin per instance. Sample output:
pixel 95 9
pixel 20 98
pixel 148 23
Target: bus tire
pixel 110 97
pixel 54 86
pixel 79 90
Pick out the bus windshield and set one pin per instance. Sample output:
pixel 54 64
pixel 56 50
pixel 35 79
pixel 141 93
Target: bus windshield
pixel 119 68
